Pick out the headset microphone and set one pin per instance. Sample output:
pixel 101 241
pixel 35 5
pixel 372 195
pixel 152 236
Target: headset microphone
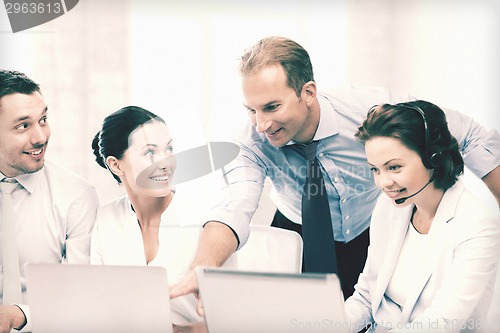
pixel 402 200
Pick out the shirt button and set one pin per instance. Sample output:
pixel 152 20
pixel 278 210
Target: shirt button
pixel 336 179
pixel 347 217
pixel 347 232
pixel 343 200
pixel 321 155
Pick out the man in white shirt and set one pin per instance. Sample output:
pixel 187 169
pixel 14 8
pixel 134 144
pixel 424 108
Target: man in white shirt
pixel 54 210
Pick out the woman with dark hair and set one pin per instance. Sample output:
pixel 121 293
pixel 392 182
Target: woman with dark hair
pixel 434 249
pixel 136 147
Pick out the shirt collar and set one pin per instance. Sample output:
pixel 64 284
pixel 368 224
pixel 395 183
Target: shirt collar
pixel 27 181
pixel 328 124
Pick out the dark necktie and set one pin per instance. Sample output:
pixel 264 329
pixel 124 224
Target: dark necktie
pixel 317 232
pixel 10 260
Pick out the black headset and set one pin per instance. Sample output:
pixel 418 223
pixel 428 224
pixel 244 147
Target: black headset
pixel 433 160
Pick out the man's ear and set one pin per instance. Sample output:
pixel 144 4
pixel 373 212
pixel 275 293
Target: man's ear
pixel 309 92
pixel 114 165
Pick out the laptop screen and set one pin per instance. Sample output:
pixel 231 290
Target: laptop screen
pixel 99 299
pixel 236 301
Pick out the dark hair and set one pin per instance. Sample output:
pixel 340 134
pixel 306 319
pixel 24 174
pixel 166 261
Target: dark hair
pixel 403 121
pixel 113 138
pixel 280 50
pixel 12 82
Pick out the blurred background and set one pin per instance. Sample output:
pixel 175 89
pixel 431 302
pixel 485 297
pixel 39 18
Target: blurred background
pixel 179 60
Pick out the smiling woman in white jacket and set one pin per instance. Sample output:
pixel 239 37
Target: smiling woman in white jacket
pixel 434 248
pixel 136 147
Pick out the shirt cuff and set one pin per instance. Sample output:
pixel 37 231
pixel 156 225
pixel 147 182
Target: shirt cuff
pixel 26 310
pixel 481 161
pixel 241 230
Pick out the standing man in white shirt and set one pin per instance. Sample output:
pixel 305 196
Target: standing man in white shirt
pixel 54 210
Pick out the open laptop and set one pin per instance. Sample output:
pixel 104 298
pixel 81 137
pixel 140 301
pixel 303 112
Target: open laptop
pixel 237 301
pixel 66 298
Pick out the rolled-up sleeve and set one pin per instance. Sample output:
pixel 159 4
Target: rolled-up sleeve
pixel 479 146
pixel 239 197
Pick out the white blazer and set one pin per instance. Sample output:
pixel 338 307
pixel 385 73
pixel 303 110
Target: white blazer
pixel 454 284
pixel 117 240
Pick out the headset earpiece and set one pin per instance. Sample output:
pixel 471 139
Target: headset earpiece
pixel 430 161
pixel 436 159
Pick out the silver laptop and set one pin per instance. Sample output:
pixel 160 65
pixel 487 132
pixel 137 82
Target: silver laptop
pixel 66 298
pixel 237 301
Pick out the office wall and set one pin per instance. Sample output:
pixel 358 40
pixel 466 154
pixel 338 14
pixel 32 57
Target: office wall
pixel 441 51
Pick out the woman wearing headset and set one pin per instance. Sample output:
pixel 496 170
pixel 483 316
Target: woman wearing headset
pixel 434 249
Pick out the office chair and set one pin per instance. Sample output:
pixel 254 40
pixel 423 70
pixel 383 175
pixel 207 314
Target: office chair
pixel 268 249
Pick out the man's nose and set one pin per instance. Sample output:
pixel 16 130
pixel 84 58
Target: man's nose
pixel 262 123
pixel 39 135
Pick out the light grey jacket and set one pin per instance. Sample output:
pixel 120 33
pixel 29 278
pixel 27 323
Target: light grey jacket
pixel 454 285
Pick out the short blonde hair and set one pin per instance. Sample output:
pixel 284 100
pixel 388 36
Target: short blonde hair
pixel 283 51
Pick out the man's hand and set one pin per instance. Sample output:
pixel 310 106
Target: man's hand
pixel 11 316
pixel 188 285
pixel 217 243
